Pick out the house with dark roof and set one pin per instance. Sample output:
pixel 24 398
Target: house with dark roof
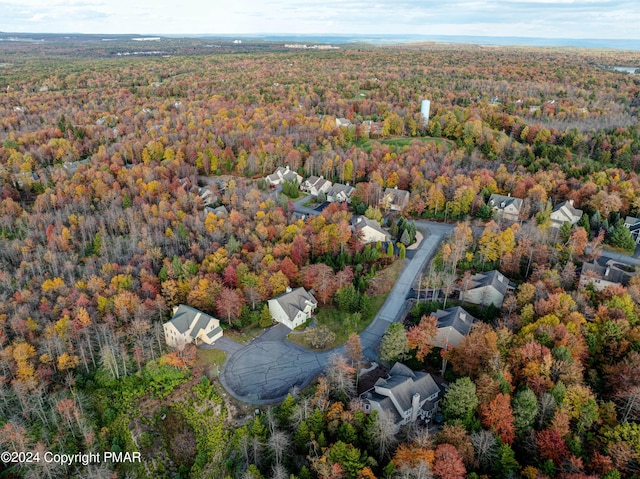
pixel 633 224
pixel 340 193
pixel 394 199
pixel 189 325
pixel 565 213
pixel 283 174
pixel 316 184
pixel 605 272
pixel 453 325
pixel 293 307
pixel 368 230
pixel 506 207
pixel 405 395
pixel 486 288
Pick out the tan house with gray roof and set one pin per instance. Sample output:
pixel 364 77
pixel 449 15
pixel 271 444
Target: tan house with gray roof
pixel 292 308
pixel 189 325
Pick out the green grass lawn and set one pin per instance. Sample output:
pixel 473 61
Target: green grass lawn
pixel 406 141
pixel 212 360
pixel 341 323
pixel 245 335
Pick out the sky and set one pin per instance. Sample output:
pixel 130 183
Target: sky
pixel 580 19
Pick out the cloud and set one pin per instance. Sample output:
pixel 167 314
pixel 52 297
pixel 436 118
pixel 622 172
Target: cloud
pixel 541 18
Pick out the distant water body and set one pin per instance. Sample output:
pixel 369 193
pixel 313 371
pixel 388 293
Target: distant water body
pixel 473 40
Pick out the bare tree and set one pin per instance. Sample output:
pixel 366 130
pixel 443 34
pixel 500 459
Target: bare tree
pixel 278 442
pixel 485 447
pixel 382 433
pixel 340 375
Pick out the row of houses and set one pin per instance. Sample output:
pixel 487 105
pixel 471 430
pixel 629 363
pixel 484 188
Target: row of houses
pixel 509 208
pixel 392 199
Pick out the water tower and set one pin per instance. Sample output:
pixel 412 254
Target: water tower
pixel 424 111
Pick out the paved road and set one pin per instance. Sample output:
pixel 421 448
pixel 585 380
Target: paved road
pixel 264 371
pixel 299 208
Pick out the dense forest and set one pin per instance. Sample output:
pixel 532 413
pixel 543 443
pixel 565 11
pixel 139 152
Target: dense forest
pixel 105 150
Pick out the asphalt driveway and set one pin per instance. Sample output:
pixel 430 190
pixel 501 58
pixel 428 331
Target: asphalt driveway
pixel 265 370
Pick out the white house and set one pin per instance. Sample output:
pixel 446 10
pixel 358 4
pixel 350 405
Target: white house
pixel 506 207
pixel 188 325
pixel 405 394
pixel 292 308
pixel 565 213
pixel 394 199
pixel 369 230
pixel 486 288
pixel 314 185
pixel 340 193
pixel 453 325
pixel 283 174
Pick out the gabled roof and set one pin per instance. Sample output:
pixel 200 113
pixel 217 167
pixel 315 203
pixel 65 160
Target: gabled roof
pixel 632 223
pixel 338 188
pixel 295 301
pixel 501 201
pixel 456 318
pixel 359 222
pixel 398 197
pixel 567 212
pixel 187 318
pixel 401 384
pixel 491 278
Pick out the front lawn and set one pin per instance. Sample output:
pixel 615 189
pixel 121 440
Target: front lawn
pixel 211 360
pixel 340 323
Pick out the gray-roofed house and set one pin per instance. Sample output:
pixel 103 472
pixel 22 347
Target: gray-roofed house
pixel 506 207
pixel 218 211
pixel 404 394
pixel 453 325
pixel 633 224
pixel 565 213
pixel 486 288
pixel 340 193
pixel 189 325
pixel 283 174
pixel 369 230
pixel 293 307
pixel 605 272
pixel 316 184
pixel 394 199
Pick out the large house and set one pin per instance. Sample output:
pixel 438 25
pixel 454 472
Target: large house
pixel 605 272
pixel 188 325
pixel 340 193
pixel 565 213
pixel 283 174
pixel 293 307
pixel 633 224
pixel 453 325
pixel 369 230
pixel 316 184
pixel 506 207
pixel 486 288
pixel 405 394
pixel 394 199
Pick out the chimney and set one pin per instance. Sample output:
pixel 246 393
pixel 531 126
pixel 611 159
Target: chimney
pixel 607 271
pixel 415 406
pixel 570 202
pixel 509 195
pixel 288 290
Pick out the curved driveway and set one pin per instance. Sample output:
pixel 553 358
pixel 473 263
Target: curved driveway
pixel 265 370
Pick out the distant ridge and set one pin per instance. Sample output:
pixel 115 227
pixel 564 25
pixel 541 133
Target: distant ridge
pixel 455 39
